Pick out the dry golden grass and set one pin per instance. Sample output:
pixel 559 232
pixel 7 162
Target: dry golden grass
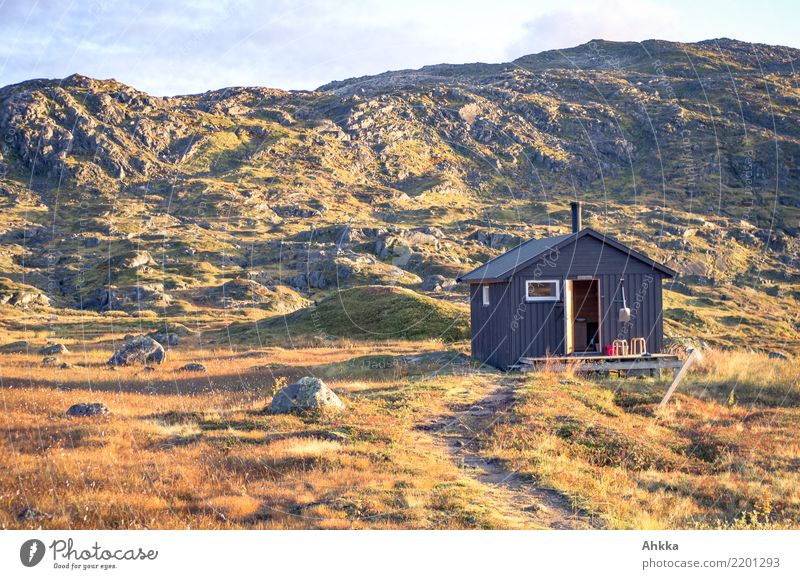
pixel 705 461
pixel 196 450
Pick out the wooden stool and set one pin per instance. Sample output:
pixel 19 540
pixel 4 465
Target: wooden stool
pixel 638 346
pixel 619 348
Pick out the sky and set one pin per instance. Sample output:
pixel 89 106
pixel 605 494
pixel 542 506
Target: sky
pixel 180 47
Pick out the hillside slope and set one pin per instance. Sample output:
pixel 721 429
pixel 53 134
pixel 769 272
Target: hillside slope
pixel 114 200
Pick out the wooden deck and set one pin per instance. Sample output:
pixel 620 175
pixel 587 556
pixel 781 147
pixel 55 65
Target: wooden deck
pixel 600 363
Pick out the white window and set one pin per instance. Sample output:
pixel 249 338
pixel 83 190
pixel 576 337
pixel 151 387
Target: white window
pixel 485 295
pixel 545 290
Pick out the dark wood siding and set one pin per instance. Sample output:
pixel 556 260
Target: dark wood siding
pixel 539 326
pixel 490 340
pixel 511 328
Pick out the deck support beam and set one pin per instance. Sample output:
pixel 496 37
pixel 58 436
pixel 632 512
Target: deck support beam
pixel 680 374
pixel 603 364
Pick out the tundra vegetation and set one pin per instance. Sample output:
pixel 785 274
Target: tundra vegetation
pixel 202 450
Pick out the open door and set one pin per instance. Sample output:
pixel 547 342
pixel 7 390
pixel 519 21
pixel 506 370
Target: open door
pixel 569 336
pixel 582 316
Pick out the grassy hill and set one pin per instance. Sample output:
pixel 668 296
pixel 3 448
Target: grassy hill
pixel 375 313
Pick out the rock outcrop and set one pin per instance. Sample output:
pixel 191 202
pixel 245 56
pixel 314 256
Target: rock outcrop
pixel 139 350
pixel 308 394
pixel 87 409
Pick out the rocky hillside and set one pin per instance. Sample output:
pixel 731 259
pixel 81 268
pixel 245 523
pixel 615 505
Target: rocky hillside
pixel 253 201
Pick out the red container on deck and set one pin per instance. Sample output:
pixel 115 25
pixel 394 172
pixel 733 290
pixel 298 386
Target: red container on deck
pixel 609 350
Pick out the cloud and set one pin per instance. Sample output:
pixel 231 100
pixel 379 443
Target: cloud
pixel 183 46
pixel 618 20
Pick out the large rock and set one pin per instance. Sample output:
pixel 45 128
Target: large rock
pixel 20 295
pixel 139 350
pixel 166 340
pixel 135 259
pixel 437 283
pixel 31 514
pixel 138 296
pixel 20 347
pixel 310 280
pixel 87 409
pixel 170 333
pixel 53 350
pixel 306 395
pixel 193 367
pixel 496 240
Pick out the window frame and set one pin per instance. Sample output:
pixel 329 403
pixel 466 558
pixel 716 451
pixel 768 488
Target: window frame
pixel 555 298
pixel 486 300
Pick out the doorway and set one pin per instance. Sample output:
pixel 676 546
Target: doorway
pixel 582 304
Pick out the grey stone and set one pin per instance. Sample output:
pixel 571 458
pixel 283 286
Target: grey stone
pixel 306 395
pixel 778 356
pixel 436 283
pixel 53 349
pixel 166 339
pixel 20 347
pixel 193 367
pixel 140 350
pixel 29 297
pixel 136 259
pixel 31 514
pixel 50 360
pixel 87 409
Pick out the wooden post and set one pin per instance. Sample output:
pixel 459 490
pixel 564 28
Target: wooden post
pixel 680 374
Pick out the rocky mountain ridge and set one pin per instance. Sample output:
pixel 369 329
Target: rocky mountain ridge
pixel 117 201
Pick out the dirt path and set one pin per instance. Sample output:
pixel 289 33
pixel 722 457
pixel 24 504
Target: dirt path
pixel 517 498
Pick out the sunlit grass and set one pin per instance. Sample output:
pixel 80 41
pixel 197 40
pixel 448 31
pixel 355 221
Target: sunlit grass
pixel 703 462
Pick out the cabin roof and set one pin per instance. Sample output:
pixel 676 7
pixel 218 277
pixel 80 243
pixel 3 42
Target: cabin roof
pixel 503 266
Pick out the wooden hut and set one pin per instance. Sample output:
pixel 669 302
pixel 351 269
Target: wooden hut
pixel 562 296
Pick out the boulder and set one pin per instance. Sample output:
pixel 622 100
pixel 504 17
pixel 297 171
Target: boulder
pixel 308 394
pixel 53 349
pixel 193 367
pixel 436 283
pixel 21 295
pixel 50 360
pixel 778 356
pixel 165 339
pixel 83 409
pixel 30 297
pixel 20 347
pixel 139 350
pixel 310 280
pixel 495 240
pixel 31 514
pixel 178 329
pixel 134 259
pixel 126 298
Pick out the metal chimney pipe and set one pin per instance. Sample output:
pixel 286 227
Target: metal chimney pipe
pixel 577 217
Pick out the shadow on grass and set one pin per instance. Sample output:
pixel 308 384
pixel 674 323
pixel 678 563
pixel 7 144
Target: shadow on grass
pixel 159 381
